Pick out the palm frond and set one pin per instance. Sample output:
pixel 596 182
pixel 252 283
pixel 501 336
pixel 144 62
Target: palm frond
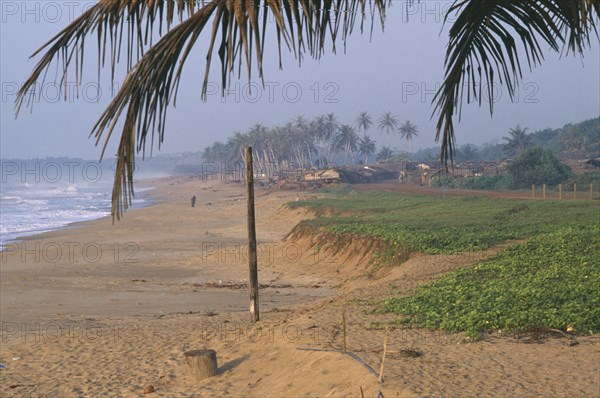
pixel 482 50
pixel 111 21
pixel 151 84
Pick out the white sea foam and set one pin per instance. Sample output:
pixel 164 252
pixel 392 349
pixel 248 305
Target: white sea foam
pixel 27 208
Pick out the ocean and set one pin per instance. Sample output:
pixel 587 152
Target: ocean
pixel 44 195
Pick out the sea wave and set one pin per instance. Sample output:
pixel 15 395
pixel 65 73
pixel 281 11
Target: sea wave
pixel 31 209
pixel 11 199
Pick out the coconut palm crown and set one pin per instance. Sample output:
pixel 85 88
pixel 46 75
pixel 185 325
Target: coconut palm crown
pixel 408 130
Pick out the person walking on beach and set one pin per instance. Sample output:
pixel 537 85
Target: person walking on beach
pixel 193 200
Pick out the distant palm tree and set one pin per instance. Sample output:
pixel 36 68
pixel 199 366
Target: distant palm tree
pixel 257 138
pixel 486 41
pixel 209 154
pixel 366 147
pixel 467 152
pixel 408 131
pixel 237 143
pixel 300 122
pixel 347 141
pixel 389 123
pixel 516 141
pixel 306 135
pixel 318 125
pixel 363 122
pixel 385 153
pixel 331 131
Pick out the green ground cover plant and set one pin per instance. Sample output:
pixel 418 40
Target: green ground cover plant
pixel 436 225
pixel 549 278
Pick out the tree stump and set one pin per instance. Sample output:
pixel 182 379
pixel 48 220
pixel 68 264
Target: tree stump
pixel 201 364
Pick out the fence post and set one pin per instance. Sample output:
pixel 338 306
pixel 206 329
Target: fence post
pixel 544 191
pixel 574 191
pixel 533 191
pixel 591 191
pixel 559 191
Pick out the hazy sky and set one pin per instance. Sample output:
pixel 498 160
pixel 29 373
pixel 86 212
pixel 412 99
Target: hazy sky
pixel 398 72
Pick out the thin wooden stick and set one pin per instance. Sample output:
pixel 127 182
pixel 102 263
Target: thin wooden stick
pixel 380 392
pixel 363 363
pixel 318 349
pixel 362 394
pixel 383 356
pixel 344 328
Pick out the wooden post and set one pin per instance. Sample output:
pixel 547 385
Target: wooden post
pixel 544 191
pixel 344 329
pixel 559 191
pixel 574 191
pixel 252 256
pixel 383 356
pixel 201 364
pixel 533 191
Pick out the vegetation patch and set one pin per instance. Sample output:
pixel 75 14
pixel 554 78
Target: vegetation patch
pixel 430 225
pixel 551 280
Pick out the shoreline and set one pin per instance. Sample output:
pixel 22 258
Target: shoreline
pixel 33 235
pixel 156 260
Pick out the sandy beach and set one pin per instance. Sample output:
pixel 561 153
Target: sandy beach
pixel 103 310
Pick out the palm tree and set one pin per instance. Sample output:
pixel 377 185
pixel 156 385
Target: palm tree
pixel 331 131
pixel 208 154
pixel 258 139
pixel 366 147
pixel 347 141
pixel 408 131
pixel 385 153
pixel 363 122
pixel 306 136
pixel 320 136
pixel 301 143
pixel 389 123
pixel 516 141
pixel 482 52
pixel 300 122
pixel 467 152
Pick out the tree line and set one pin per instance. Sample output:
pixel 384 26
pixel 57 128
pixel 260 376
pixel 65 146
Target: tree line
pixel 324 141
pixel 319 142
pixel 573 140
